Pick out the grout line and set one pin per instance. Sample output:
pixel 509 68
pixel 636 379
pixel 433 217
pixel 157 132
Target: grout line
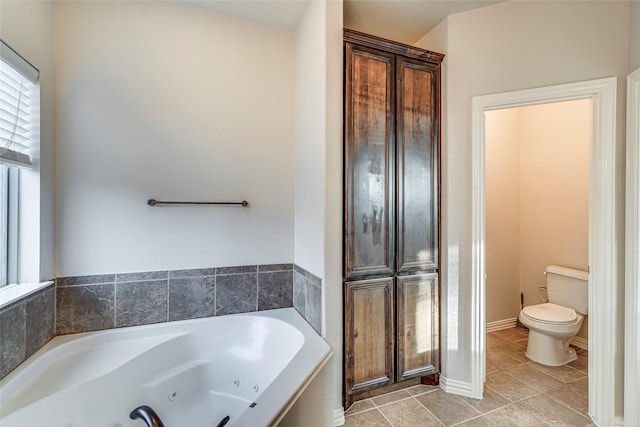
pixel 432 414
pixel 567 406
pixel 385 417
pixel 390 403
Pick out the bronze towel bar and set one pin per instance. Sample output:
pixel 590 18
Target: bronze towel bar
pixel 154 202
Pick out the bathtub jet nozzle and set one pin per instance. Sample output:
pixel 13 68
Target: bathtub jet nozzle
pixel 148 415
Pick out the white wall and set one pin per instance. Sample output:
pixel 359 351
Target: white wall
pixel 497 49
pixel 310 138
pixel 502 158
pixel 318 182
pixel 28 28
pixel 174 102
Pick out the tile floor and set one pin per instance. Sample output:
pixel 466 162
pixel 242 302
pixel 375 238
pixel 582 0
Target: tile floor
pixel 518 392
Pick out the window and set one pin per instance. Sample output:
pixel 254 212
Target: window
pixel 19 144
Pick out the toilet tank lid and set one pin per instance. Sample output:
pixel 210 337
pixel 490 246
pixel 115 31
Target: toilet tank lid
pixel 566 271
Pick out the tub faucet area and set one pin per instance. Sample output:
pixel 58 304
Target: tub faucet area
pixel 148 415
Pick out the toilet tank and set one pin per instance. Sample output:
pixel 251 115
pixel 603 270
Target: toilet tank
pixel 568 287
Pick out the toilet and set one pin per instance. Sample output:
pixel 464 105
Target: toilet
pixel 553 324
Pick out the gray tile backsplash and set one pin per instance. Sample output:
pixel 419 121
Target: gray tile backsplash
pixel 192 297
pixel 275 289
pixel 307 296
pixel 40 319
pixel 236 293
pixel 104 301
pixel 85 308
pixel 25 326
pixel 141 303
pixel 87 303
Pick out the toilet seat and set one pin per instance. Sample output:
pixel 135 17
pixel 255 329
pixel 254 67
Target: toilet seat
pixel 550 313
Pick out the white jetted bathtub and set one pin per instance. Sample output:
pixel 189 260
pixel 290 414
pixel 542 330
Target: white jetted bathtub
pixel 193 373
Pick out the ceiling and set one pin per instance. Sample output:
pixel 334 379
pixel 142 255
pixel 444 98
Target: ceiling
pixel 400 20
pixel 405 21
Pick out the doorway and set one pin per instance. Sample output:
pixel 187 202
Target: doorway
pixel 602 233
pixel 537 202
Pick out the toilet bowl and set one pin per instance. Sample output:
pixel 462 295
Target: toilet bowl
pixel 553 324
pixel 551 329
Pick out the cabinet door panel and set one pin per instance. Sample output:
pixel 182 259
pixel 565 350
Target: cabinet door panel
pixel 368 334
pixel 418 325
pixel 417 165
pixel 369 160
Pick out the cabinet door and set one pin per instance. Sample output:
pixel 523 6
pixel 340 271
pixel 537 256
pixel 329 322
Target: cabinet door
pixel 369 334
pixel 369 163
pixel 417 153
pixel 418 325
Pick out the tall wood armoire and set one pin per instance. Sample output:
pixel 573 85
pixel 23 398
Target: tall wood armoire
pixel 391 215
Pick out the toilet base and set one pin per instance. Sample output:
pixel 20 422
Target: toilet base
pixel 548 350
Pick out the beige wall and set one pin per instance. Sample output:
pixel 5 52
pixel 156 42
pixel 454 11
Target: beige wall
pixel 634 35
pixel 175 102
pixel 502 213
pixel 497 49
pixel 28 27
pixel 537 199
pixel 554 191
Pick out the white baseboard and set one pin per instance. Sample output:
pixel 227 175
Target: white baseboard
pixel 501 324
pixel 338 417
pixel 619 421
pixel 582 343
pixel 461 388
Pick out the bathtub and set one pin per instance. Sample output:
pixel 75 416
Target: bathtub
pixel 193 373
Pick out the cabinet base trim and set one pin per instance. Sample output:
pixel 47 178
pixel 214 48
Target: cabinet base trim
pixel 338 417
pixel 461 388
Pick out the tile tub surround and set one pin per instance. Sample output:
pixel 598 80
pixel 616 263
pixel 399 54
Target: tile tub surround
pixel 90 303
pixel 25 326
pixel 307 296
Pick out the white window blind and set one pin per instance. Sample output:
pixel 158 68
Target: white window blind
pixel 19 109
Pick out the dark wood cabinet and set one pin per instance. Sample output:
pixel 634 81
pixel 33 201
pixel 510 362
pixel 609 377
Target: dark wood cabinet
pixel 391 213
pixel 370 334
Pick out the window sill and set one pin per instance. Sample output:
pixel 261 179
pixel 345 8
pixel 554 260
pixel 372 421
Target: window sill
pixel 12 293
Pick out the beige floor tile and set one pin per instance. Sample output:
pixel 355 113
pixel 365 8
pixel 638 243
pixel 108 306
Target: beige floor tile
pixel 493 367
pixel 448 408
pixel 534 378
pixel 509 387
pixel 575 395
pixel 494 340
pixel 511 334
pixel 564 373
pixel 359 406
pixel 490 401
pixel 421 389
pixel 581 364
pixel 394 396
pixel 372 418
pixel 477 422
pixel 552 412
pixel 502 360
pixel 409 413
pixel 513 349
pixel 514 416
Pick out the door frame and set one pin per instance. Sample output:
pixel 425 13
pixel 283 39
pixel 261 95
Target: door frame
pixel 602 233
pixel 632 254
